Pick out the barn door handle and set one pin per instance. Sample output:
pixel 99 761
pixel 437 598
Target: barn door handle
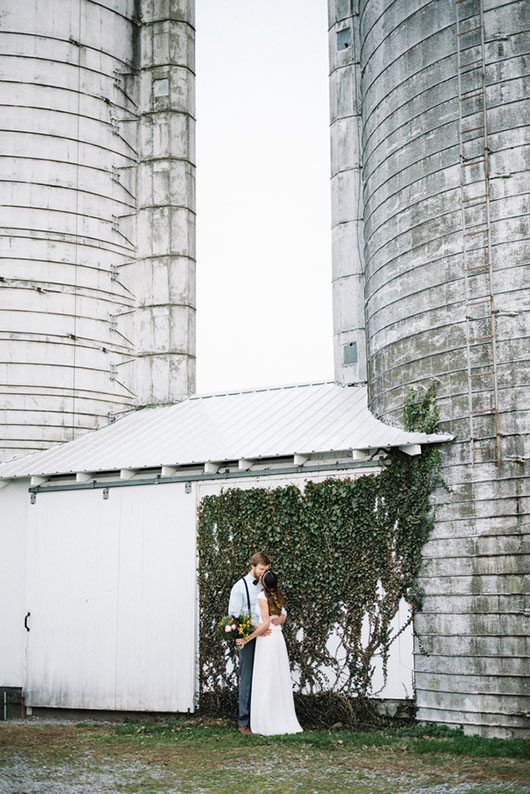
pixel 26 621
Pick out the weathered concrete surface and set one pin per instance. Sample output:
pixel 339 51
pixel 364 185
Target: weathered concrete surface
pixel 163 274
pixel 446 228
pixel 84 334
pixel 59 66
pixel 349 347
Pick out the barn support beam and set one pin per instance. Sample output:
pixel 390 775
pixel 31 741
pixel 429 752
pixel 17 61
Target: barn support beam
pixel 198 477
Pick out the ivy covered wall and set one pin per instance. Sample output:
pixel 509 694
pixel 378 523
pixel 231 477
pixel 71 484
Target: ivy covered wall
pixel 347 551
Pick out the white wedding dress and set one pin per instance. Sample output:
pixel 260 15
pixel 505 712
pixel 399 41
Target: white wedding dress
pixel 272 705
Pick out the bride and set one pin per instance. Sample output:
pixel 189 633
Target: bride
pixel 272 706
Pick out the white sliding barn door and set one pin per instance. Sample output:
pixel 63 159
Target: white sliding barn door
pixel 112 596
pixel 157 594
pixel 14 506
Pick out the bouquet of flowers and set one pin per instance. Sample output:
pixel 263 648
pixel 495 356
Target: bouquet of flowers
pixel 235 628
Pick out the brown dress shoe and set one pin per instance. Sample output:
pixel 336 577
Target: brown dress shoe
pixel 245 730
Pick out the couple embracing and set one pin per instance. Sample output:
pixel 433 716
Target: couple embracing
pixel 266 703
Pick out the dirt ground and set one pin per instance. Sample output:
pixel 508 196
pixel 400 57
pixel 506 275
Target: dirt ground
pixel 44 757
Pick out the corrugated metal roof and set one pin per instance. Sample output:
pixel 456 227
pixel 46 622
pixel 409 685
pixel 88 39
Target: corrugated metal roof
pixel 264 423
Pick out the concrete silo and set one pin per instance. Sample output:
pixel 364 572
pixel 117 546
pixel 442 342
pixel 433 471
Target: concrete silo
pixel 441 102
pixel 97 285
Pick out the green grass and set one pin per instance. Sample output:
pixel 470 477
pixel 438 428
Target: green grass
pixel 439 739
pixel 416 739
pixel 475 746
pixel 187 755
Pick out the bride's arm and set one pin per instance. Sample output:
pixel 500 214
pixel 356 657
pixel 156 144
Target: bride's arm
pixel 261 628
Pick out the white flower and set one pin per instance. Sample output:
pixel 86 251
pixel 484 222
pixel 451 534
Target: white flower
pixel 228 629
pixel 233 627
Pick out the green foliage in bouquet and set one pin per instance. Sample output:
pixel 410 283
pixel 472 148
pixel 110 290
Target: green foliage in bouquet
pixel 235 628
pixel 347 552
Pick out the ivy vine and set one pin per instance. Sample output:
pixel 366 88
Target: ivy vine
pixel 347 552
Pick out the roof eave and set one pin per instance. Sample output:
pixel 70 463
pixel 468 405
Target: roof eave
pixel 411 447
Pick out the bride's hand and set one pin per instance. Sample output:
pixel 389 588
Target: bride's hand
pixel 241 642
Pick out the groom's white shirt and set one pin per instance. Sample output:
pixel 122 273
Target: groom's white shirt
pixel 238 598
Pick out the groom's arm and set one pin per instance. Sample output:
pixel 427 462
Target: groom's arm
pixel 235 602
pixel 279 620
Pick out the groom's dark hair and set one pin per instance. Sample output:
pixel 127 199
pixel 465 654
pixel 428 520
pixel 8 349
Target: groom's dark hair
pixel 259 558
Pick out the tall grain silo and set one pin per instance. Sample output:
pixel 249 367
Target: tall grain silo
pixel 442 103
pixel 97 269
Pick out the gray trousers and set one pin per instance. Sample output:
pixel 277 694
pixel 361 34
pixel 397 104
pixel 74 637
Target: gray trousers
pixel 246 665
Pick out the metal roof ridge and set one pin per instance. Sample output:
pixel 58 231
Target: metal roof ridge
pixel 260 389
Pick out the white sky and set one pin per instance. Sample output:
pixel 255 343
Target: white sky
pixel 263 196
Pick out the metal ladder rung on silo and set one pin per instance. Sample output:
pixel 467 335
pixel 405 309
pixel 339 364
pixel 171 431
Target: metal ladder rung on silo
pixel 470 163
pixel 477 268
pixel 481 343
pixel 471 95
pixel 481 374
pixel 470 63
pixel 469 30
pixel 477 230
pixel 478 199
pixel 479 301
pixel 467 130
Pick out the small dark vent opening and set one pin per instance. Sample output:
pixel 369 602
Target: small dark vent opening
pixel 344 39
pixel 349 353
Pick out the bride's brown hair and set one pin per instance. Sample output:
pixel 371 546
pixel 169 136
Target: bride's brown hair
pixel 275 597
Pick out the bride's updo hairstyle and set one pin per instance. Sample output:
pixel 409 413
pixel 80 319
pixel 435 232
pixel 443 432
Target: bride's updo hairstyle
pixel 274 595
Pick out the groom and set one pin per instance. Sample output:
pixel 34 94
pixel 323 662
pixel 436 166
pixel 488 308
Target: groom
pixel 243 598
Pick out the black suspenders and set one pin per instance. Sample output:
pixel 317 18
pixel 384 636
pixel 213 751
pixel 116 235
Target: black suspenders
pixel 248 594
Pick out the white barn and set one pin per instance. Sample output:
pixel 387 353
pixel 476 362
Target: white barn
pixel 98 597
